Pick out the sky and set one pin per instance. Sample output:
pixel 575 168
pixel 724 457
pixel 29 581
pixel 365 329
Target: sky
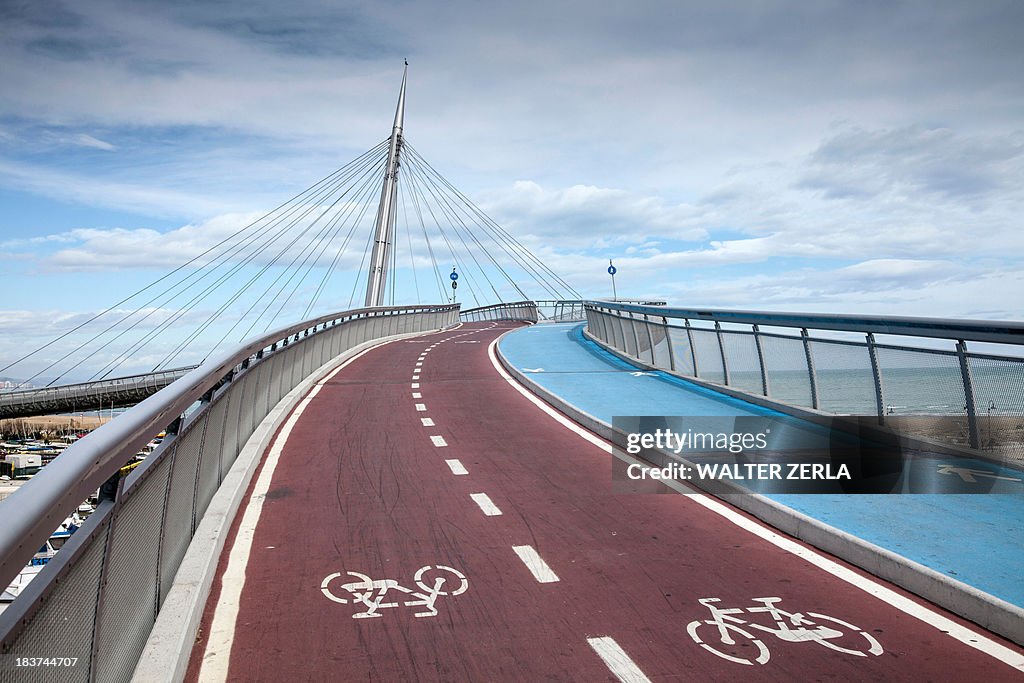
pixel 850 157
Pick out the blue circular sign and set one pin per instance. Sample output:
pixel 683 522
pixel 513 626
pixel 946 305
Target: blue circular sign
pixel 454 276
pixel 612 270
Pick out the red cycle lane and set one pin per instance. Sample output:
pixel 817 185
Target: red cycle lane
pixel 377 558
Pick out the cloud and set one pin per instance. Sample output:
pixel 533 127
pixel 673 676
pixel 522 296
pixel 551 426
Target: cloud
pixel 584 215
pixel 864 164
pixel 86 140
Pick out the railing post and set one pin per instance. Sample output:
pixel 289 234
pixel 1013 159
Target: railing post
pixel 760 359
pixel 650 340
pixel 668 339
pixel 721 348
pixel 971 406
pixel 693 349
pixel 876 373
pixel 636 338
pixel 812 373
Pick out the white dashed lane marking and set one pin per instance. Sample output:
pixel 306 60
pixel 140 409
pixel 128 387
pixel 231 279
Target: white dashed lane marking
pixel 422 407
pixel 616 659
pixel 439 441
pixel 414 385
pixel 417 394
pixel 427 422
pixel 456 467
pixel 484 501
pixel 535 563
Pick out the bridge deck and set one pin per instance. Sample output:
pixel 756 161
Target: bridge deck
pixel 977 539
pixel 564 580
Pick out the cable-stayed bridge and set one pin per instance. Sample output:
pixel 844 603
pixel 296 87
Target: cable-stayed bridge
pixel 424 491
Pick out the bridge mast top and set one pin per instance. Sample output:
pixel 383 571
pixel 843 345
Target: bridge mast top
pixel 384 230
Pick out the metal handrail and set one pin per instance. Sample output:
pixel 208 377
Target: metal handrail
pixel 512 310
pixel 651 334
pixel 1000 332
pixel 39 506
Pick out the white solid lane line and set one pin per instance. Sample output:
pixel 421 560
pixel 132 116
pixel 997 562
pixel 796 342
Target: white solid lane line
pixel 456 467
pixel 616 659
pixel 427 422
pixel 484 501
pixel 439 441
pixel 535 563
pixel 966 635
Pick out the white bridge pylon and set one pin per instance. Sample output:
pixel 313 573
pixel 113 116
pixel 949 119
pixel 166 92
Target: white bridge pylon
pixel 384 228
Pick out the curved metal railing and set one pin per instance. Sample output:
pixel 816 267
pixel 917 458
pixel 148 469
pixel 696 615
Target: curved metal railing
pixel 98 598
pixel 519 310
pixel 940 390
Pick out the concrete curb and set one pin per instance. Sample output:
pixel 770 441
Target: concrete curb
pixel 166 656
pixel 988 611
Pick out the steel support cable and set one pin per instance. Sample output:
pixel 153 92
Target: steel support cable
pixel 213 317
pixel 366 183
pixel 466 272
pixel 258 249
pixel 488 221
pixel 170 274
pixel 452 219
pixel 503 234
pixel 472 235
pixel 119 359
pixel 443 207
pixel 229 255
pixel 323 282
pixel 408 240
pixel 252 280
pixel 355 281
pixel 419 198
pixel 430 249
pixel 503 238
pixel 222 260
pixel 360 195
pixel 451 250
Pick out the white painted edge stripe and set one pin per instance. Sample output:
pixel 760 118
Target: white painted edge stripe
pixel 427 422
pixel 535 563
pixel 439 441
pixel 484 501
pixel 969 637
pixel 456 467
pixel 217 657
pixel 616 659
pixel 421 407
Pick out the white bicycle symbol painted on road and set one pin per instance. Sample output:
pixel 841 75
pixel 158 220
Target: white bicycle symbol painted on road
pixel 790 627
pixel 369 592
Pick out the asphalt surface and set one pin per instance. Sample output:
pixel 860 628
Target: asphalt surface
pixel 453 531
